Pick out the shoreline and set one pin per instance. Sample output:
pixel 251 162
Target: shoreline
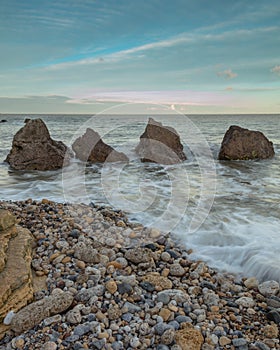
pixel 134 288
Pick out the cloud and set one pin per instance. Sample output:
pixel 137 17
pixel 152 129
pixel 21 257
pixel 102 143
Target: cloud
pixel 227 74
pixel 276 70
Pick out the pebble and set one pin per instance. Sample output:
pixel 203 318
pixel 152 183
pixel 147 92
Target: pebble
pixel 132 293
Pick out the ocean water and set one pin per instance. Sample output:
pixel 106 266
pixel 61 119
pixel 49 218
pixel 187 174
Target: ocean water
pixel 228 213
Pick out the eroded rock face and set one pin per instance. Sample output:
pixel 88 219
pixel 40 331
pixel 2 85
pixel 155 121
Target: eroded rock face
pixel 243 144
pixel 91 148
pixel 160 144
pixel 16 288
pixel 34 149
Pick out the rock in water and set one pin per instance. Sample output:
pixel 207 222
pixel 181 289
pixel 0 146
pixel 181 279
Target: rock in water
pixel 91 148
pixel 34 149
pixel 160 144
pixel 243 144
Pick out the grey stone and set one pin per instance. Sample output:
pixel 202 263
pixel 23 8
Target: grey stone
pixel 239 342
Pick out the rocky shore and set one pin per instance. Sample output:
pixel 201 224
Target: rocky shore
pixel 101 282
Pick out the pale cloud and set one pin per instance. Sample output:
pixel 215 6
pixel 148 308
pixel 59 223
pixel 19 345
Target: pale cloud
pixel 276 70
pixel 227 74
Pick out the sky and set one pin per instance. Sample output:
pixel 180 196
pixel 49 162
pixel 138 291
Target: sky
pixel 194 56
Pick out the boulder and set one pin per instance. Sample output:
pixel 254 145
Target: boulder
pixel 16 289
pixel 160 144
pixel 189 338
pixel 34 149
pixel 243 144
pixel 90 148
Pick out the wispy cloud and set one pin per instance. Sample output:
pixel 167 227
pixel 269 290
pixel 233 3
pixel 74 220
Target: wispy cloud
pixel 227 74
pixel 276 69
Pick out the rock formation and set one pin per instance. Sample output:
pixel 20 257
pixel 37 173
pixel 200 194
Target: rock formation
pixel 91 148
pixel 242 144
pixel 34 149
pixel 15 267
pixel 160 144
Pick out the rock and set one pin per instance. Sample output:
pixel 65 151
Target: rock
pixel 139 255
pixel 245 302
pixel 91 148
pixel 271 331
pixel 269 288
pixel 3 121
pixel 251 283
pixel 111 286
pixel 243 144
pixel 177 270
pixel 274 316
pixel 34 149
pixel 86 252
pixel 174 294
pixel 34 313
pixel 160 282
pixel 16 288
pixel 160 144
pixel 189 338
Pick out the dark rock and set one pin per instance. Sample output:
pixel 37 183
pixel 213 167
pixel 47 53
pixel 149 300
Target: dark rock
pixel 91 148
pixel 274 316
pixel 124 288
pixel 243 144
pixel 3 121
pixel 160 144
pixel 34 149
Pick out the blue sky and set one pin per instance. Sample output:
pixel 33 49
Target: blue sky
pixel 200 56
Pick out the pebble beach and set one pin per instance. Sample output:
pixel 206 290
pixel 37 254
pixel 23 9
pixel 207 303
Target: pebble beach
pixel 125 286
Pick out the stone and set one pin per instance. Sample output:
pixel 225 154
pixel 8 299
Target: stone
pixel 34 313
pixel 168 336
pixel 7 220
pixel 158 281
pixel 223 341
pixel 189 338
pixel 238 342
pixel 274 316
pixel 243 144
pixel 139 255
pixel 251 283
pixel 269 288
pixel 174 294
pixel 16 288
pixel 271 331
pixel 111 286
pixel 34 149
pixel 86 252
pixel 245 302
pixel 177 270
pixel 90 148
pixel 160 144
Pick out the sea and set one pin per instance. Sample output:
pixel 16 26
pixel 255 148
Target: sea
pixel 226 212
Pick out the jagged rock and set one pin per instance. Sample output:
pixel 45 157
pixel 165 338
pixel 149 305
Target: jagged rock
pixel 189 338
pixel 34 313
pixel 91 148
pixel 160 144
pixel 16 288
pixel 243 144
pixel 34 149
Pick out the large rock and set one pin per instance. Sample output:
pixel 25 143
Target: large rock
pixel 242 144
pixel 34 149
pixel 32 314
pixel 91 148
pixel 160 144
pixel 189 338
pixel 16 288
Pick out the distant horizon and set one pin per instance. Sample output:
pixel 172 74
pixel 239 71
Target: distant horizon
pixel 69 57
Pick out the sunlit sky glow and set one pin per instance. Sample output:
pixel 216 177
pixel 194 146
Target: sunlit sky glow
pixel 200 56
